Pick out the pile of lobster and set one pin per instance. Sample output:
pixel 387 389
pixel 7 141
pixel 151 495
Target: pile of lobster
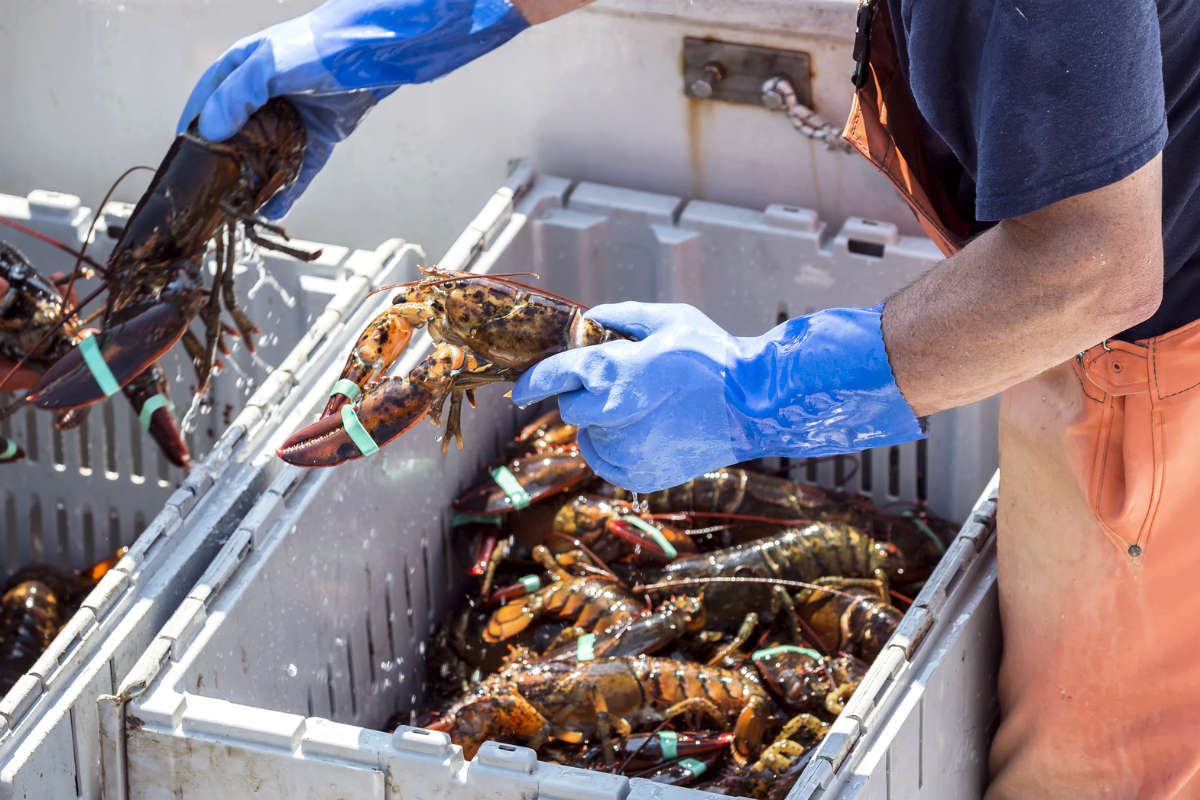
pixel 35 602
pixel 705 635
pixel 155 283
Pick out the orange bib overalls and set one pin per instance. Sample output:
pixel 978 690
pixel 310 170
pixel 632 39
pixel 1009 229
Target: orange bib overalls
pixel 1099 523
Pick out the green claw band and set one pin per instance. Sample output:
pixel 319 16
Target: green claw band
pixel 511 487
pixel 696 768
pixel 925 529
pixel 654 533
pixel 585 647
pixel 153 404
pixel 459 520
pixel 670 745
pixel 346 388
pixel 531 583
pixel 358 434
pixel 10 449
pixel 785 648
pixel 95 363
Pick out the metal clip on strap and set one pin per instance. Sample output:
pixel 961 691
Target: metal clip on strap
pixel 862 43
pixel 512 488
pixel 105 379
pixel 154 403
pixel 358 434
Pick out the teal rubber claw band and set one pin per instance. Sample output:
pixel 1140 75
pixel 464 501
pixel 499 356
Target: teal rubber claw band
pixel 785 648
pixel 670 745
pixel 669 551
pixel 10 448
pixel 358 434
pixel 459 520
pixel 150 406
pixel 585 647
pixel 697 768
pixel 346 388
pixel 512 488
pixel 531 583
pixel 928 531
pixel 95 363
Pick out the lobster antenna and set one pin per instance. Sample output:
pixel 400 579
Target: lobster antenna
pixel 50 240
pixel 673 584
pixel 732 516
pixel 95 219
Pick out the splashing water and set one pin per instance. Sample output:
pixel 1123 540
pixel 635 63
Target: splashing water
pixel 265 278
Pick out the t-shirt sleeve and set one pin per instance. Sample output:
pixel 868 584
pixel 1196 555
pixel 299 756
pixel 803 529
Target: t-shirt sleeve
pixel 1069 98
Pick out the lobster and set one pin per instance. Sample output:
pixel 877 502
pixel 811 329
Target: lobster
pixel 31 307
pixel 806 681
pixel 155 274
pixel 850 615
pixel 595 603
pixel 547 432
pixel 487 329
pixel 523 481
pixel 807 553
pixel 532 703
pixel 780 764
pixel 741 491
pixel 37 601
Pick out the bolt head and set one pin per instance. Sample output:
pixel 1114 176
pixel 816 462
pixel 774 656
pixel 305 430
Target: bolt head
pixel 702 89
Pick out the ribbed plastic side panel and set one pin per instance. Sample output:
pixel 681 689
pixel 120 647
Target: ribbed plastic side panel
pixel 318 607
pixel 83 493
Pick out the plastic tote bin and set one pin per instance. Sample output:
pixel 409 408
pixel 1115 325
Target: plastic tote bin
pixel 83 493
pixel 307 631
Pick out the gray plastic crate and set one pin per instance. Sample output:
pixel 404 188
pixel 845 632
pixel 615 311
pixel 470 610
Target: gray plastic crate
pixel 307 631
pixel 82 494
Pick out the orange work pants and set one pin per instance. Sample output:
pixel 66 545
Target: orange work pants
pixel 1099 550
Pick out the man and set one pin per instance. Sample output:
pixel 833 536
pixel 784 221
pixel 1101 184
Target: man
pixel 1029 137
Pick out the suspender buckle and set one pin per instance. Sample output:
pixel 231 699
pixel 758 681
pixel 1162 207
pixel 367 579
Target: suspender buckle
pixel 862 42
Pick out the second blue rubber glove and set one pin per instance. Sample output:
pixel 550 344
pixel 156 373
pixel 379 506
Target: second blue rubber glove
pixel 337 61
pixel 687 397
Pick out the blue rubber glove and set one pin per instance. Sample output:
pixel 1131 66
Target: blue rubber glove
pixel 337 61
pixel 687 397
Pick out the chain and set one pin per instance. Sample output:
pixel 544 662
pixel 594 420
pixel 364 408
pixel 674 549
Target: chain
pixel 778 94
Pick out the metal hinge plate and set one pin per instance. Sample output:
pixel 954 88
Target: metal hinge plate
pixel 735 73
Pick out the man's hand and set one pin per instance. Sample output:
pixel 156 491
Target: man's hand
pixel 687 397
pixel 1029 294
pixel 337 61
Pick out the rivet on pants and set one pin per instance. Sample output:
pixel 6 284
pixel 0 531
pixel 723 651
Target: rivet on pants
pixel 1134 551
pixel 1116 366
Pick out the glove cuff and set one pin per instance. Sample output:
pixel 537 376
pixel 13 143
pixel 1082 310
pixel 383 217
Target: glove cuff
pixel 815 386
pixel 374 44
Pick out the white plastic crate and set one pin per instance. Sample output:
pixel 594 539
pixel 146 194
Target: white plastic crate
pixel 307 631
pixel 80 495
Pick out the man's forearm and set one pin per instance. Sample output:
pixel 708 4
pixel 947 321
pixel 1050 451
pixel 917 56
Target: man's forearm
pixel 535 11
pixel 1029 294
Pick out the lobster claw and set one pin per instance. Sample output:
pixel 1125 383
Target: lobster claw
pixel 10 452
pixel 147 394
pixel 127 348
pixel 387 411
pixel 538 476
pixel 653 540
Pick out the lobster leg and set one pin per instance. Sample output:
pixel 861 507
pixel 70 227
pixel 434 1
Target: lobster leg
pixel 385 412
pixel 252 222
pixel 247 328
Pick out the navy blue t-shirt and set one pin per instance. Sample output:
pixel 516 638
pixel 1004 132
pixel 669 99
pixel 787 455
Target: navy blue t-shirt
pixel 1039 100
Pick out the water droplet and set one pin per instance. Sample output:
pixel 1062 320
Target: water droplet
pixel 292 671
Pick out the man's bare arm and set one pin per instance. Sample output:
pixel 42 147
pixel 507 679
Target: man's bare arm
pixel 535 11
pixel 1028 294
